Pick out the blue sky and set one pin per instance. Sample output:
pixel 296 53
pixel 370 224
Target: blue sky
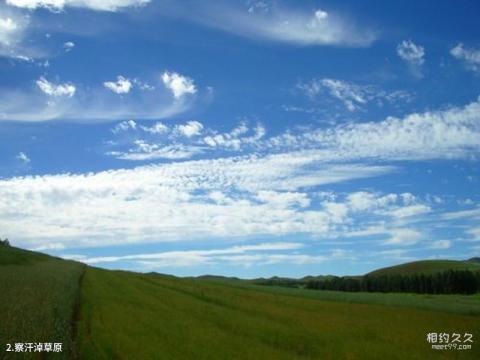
pixel 241 138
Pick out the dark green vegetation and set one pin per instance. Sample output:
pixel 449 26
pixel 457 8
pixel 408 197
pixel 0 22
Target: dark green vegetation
pixel 424 277
pixel 445 282
pixel 127 315
pixel 37 298
pixel 428 267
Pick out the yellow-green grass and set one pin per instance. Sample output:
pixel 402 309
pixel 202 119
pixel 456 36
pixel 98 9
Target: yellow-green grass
pixel 455 303
pixel 127 315
pixel 427 267
pixel 37 300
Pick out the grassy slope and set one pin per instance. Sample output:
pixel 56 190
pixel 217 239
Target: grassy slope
pixel 129 315
pixel 427 267
pixel 154 316
pixel 37 297
pixel 455 304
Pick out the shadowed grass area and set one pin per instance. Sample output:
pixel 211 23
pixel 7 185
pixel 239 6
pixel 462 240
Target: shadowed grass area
pixel 151 316
pixel 37 298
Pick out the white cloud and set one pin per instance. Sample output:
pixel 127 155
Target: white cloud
pixel 52 89
pixel 23 157
pixel 54 246
pixel 240 255
pixel 471 57
pixel 393 207
pixel 90 103
pixel 404 237
pixel 157 128
pixel 441 244
pixel 395 254
pixel 178 84
pixel 462 214
pixel 99 5
pixel 143 85
pixel 337 212
pixel 121 86
pixel 13 29
pixel 191 128
pixel 408 211
pixel 257 6
pixel 7 28
pixel 353 96
pixel 446 134
pixel 68 46
pixel 143 151
pixel 238 197
pixel 183 141
pixel 173 201
pixel 316 27
pixel 236 138
pixel 124 126
pixel 474 233
pixel 367 231
pixel 269 259
pixel 412 53
pixel 196 257
pixel 362 200
pixel 452 133
pixel 283 199
pixel 347 93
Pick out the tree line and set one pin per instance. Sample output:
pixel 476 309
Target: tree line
pixel 446 282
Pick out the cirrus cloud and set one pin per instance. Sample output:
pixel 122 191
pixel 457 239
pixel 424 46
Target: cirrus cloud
pixel 98 5
pixel 279 24
pixel 67 101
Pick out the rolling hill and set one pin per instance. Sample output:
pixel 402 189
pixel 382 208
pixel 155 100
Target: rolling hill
pixel 427 267
pixel 102 314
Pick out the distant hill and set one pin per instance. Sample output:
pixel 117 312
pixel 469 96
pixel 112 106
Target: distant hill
pixel 416 267
pixel 217 278
pixel 427 267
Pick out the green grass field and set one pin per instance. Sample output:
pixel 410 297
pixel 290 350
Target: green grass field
pixel 455 304
pixel 125 315
pixel 37 299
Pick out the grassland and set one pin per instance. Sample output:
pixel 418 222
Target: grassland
pixel 37 299
pixel 455 304
pixel 163 317
pixel 125 315
pixel 427 267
